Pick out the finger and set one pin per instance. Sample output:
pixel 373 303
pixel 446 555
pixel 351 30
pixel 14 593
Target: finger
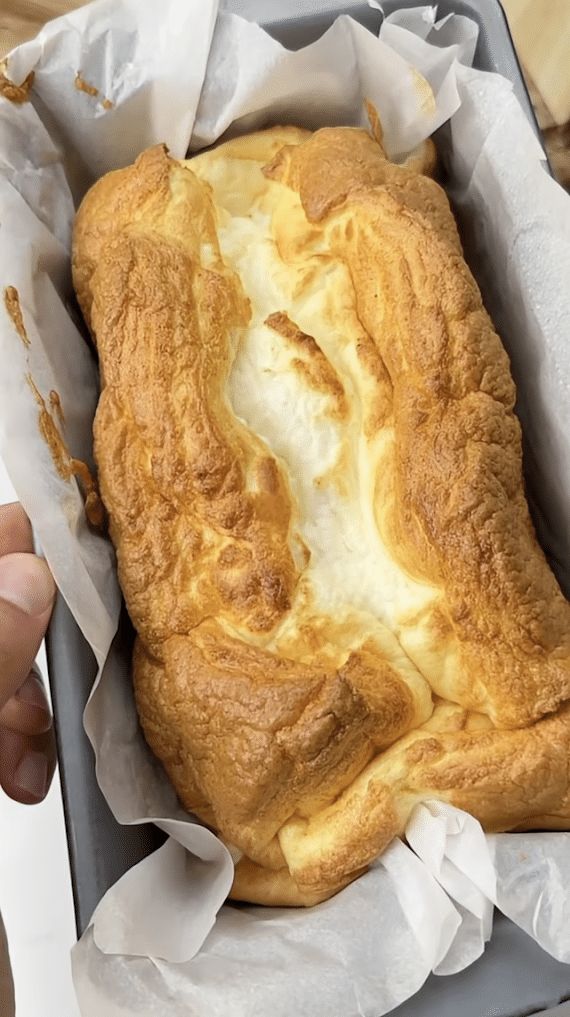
pixel 27 764
pixel 28 711
pixel 27 591
pixel 15 530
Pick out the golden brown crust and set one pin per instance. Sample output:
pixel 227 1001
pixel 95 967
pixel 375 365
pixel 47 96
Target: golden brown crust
pixel 202 457
pixel 317 370
pixel 423 159
pixel 275 724
pixel 299 618
pixel 255 884
pixel 453 419
pixel 506 779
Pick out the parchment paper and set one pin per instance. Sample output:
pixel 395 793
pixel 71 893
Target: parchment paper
pixel 159 72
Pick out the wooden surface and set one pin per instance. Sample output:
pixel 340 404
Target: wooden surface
pixel 541 30
pixel 22 19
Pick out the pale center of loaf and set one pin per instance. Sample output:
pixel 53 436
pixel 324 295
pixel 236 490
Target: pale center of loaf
pixel 330 465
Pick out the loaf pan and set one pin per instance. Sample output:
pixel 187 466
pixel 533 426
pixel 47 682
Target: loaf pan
pixel 514 978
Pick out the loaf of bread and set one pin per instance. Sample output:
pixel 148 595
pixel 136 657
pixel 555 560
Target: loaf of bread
pixel 312 469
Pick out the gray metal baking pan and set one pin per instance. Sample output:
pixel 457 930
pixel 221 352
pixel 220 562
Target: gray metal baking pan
pixel 514 978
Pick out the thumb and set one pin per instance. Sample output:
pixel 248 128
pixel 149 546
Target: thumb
pixel 27 592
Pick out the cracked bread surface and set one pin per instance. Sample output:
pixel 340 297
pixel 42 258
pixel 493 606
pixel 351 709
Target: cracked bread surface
pixel 312 468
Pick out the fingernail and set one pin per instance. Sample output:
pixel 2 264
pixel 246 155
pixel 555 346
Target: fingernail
pixel 33 692
pixel 26 583
pixel 31 775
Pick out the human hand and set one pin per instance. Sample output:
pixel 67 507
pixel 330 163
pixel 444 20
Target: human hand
pixel 27 592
